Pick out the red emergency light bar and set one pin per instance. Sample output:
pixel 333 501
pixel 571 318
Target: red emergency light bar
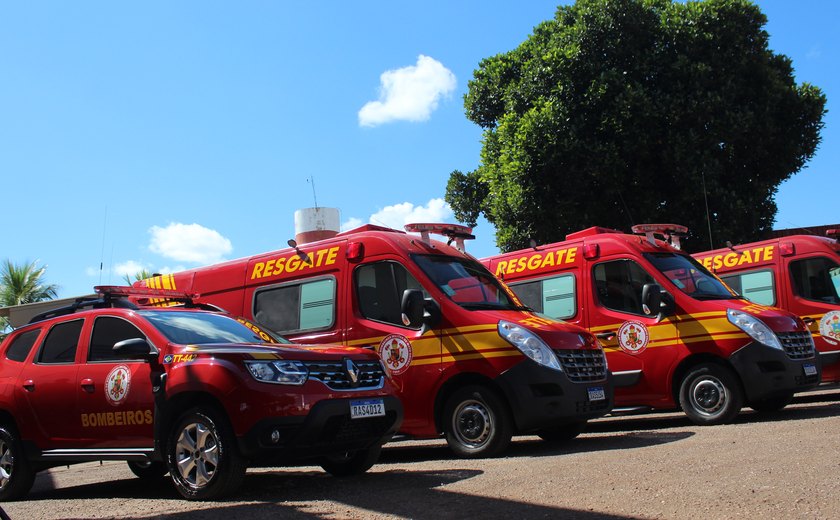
pixel 671 232
pixel 454 232
pixel 142 292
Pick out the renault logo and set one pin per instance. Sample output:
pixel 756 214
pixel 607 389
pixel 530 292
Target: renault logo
pixel 352 371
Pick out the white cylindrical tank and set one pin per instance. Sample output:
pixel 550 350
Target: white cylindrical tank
pixel 313 224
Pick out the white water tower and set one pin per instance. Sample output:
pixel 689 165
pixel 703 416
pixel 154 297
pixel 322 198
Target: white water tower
pixel 313 224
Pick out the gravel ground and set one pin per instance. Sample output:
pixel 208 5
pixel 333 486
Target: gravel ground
pixel 783 465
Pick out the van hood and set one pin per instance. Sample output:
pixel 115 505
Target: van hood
pixel 778 320
pixel 558 335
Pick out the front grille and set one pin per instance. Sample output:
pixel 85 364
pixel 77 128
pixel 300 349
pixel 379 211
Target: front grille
pixel 592 406
pixel 344 429
pixel 334 374
pixel 583 366
pixel 797 345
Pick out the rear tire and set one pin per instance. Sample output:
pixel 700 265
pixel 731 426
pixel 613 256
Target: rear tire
pixel 711 394
pixel 773 404
pixel 148 470
pixel 562 433
pixel 477 422
pixel 351 463
pixel 202 457
pixel 16 473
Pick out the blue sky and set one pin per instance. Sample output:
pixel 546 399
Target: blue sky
pixel 165 135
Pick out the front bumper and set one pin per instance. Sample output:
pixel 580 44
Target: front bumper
pixel 541 397
pixel 767 372
pixel 326 430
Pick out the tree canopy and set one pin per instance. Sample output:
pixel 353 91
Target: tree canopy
pixel 23 283
pixel 619 112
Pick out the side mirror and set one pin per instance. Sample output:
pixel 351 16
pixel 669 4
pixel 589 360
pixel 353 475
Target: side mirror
pixel 419 312
pixel 412 308
pixel 134 348
pixel 651 298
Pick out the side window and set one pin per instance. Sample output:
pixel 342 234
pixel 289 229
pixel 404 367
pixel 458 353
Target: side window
pixel 618 285
pixel 554 297
pixel 757 286
pixel 816 279
pixel 61 343
pixel 379 289
pixel 108 330
pixel 21 345
pixel 299 306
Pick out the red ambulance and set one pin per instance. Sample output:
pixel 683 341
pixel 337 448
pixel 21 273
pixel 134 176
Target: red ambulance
pixel 674 334
pixel 469 361
pixel 799 273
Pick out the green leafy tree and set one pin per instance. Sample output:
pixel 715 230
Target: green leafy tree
pixel 619 112
pixel 24 283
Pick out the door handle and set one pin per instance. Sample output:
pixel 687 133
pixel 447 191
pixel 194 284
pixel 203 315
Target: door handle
pixel 607 336
pixel 87 385
pixel 29 385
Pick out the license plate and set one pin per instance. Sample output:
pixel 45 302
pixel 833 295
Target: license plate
pixel 596 393
pixel 367 408
pixel 810 370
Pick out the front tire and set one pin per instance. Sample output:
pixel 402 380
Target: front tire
pixel 477 422
pixel 16 473
pixel 711 394
pixel 202 457
pixel 351 463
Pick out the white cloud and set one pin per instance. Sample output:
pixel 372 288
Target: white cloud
pixel 189 243
pixel 129 267
pixel 351 223
pixel 398 215
pixel 410 93
pixel 92 271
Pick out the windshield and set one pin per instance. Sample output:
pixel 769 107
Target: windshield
pixel 690 277
pixel 466 282
pixel 201 328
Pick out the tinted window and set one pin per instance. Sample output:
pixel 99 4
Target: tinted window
pixel 816 279
pixel 618 285
pixel 554 297
pixel 61 343
pixel 466 282
pixel 379 290
pixel 756 286
pixel 300 306
pixel 21 345
pixel 108 330
pixel 689 276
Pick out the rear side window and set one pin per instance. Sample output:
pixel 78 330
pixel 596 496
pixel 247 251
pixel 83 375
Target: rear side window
pixel 108 330
pixel 21 345
pixel 555 297
pixel 756 286
pixel 61 343
pixel 300 306
pixel 618 285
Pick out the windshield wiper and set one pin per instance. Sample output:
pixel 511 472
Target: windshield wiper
pixel 475 306
pixel 705 297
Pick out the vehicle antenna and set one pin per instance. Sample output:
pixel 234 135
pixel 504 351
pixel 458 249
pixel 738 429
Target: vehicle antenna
pixel 708 216
pixel 626 209
pixel 311 180
pixel 102 252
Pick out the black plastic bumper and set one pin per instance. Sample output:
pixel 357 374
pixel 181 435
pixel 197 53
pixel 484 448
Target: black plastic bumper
pixel 767 372
pixel 327 429
pixel 541 397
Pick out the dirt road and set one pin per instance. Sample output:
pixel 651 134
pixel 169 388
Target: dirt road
pixel 785 465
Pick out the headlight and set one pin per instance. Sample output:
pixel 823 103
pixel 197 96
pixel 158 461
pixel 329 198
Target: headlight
pixel 754 327
pixel 281 372
pixel 529 344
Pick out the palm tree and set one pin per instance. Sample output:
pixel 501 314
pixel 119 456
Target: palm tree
pixel 142 274
pixel 23 283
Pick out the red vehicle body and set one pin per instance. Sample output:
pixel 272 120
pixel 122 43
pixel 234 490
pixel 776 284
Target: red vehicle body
pixel 444 326
pixel 177 390
pixel 798 273
pixel 668 325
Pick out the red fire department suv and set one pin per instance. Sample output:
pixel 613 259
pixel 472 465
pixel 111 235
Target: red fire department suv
pixel 197 394
pixel 798 273
pixel 674 333
pixel 468 360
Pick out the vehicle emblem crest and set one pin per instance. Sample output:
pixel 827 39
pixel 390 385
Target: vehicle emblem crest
pixel 352 370
pixel 117 384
